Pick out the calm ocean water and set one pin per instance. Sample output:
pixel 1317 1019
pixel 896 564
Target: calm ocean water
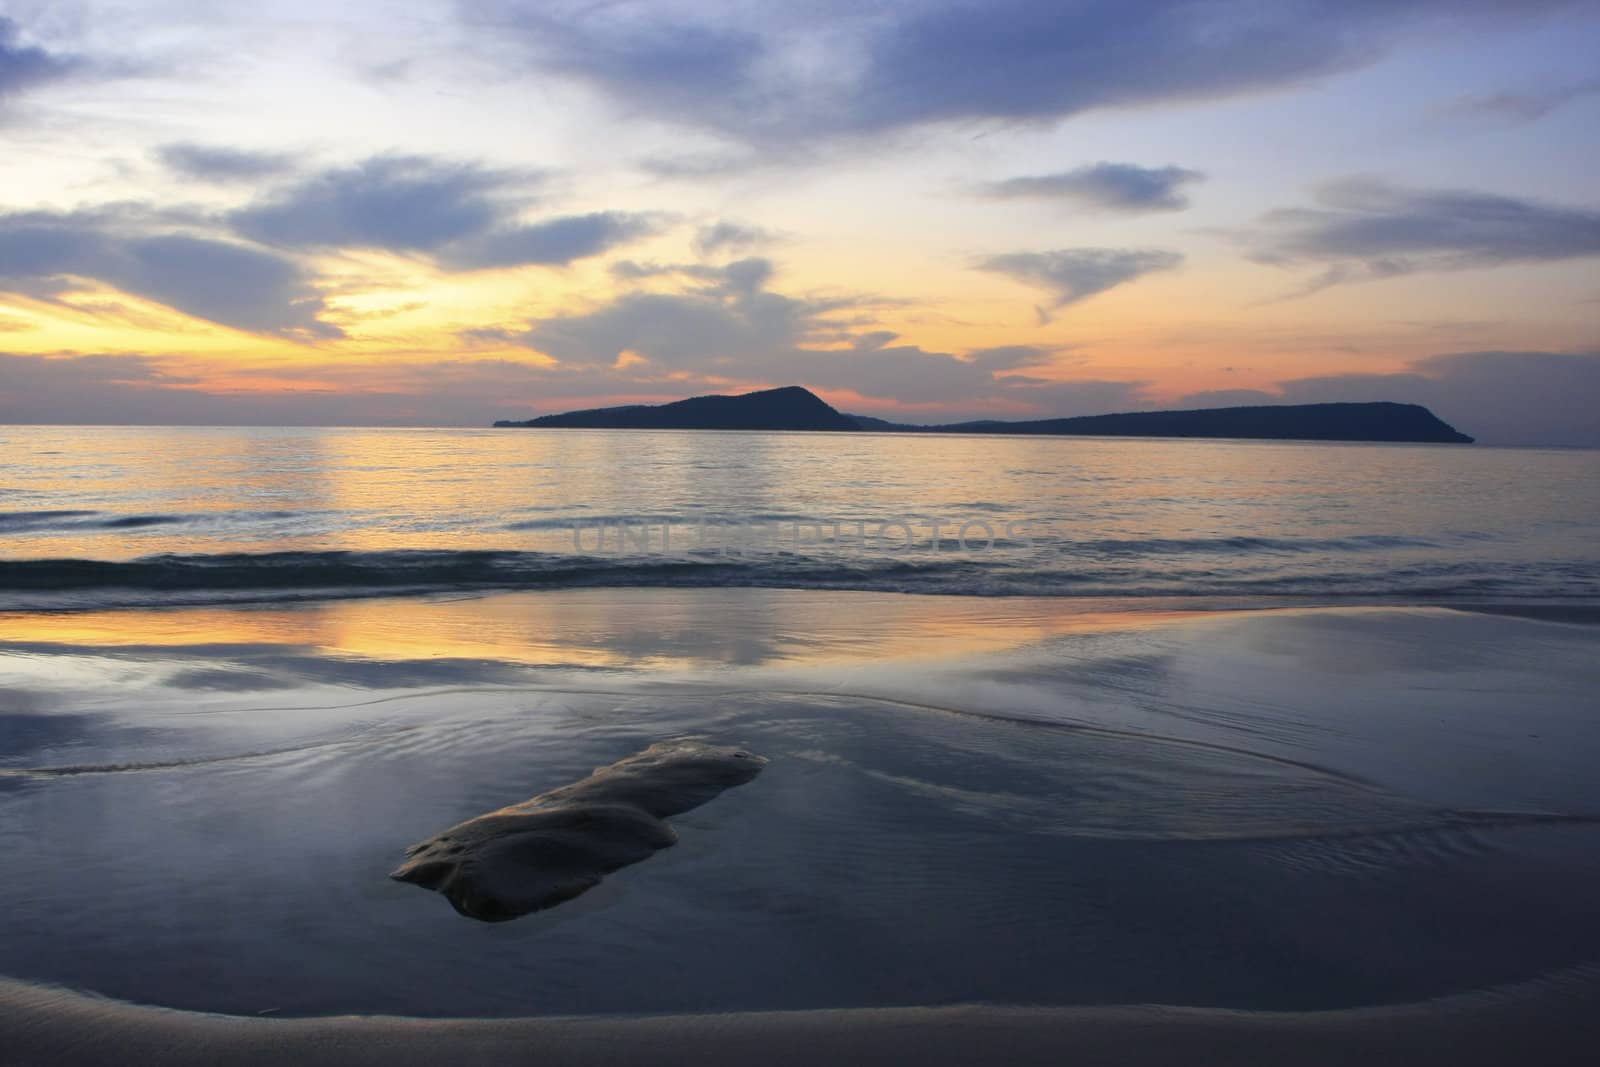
pixel 128 515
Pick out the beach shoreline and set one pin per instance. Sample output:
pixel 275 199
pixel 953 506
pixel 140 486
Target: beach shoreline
pixel 1547 1021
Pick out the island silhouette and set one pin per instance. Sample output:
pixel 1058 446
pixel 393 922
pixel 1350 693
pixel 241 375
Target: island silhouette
pixel 794 407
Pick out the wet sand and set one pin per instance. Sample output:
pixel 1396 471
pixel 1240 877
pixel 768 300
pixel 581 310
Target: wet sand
pixel 1556 1021
pixel 1334 832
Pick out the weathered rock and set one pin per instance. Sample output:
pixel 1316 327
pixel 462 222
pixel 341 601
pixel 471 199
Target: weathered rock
pixel 538 853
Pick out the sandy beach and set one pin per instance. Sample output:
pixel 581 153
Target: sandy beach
pixel 1336 831
pixel 1546 1022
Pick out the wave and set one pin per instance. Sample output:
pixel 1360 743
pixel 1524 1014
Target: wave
pixel 78 520
pixel 17 521
pixel 63 584
pixel 1184 545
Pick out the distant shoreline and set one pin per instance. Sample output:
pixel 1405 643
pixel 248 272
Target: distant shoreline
pixel 794 408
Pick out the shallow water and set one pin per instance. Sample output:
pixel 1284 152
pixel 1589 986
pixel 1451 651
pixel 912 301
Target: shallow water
pixel 967 801
pixel 91 516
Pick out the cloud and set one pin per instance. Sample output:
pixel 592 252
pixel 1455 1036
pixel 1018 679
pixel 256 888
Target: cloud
pixel 1519 107
pixel 1499 397
pixel 401 203
pixel 727 325
pixel 1505 398
pixel 215 268
pixel 463 215
pixel 730 237
pixel 219 281
pixel 1074 274
pixel 23 67
pixel 1123 187
pixel 555 242
pixel 215 163
pixel 667 62
pixel 30 371
pixel 700 166
pixel 143 389
pixel 713 327
pixel 1228 398
pixel 1366 228
pixel 771 74
pixel 130 389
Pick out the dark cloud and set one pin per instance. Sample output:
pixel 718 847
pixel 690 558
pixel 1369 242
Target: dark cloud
pixel 555 242
pixel 402 203
pixel 1036 59
pixel 215 163
pixel 1519 107
pixel 1505 398
pixel 1365 228
pixel 663 62
pixel 1123 187
pixel 461 214
pixel 23 66
pixel 220 281
pixel 1074 274
pixel 751 71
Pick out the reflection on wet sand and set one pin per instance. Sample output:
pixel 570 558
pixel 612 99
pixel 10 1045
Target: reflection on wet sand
pixel 607 628
pixel 1027 801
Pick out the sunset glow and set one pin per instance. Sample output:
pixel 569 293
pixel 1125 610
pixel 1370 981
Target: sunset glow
pixel 471 212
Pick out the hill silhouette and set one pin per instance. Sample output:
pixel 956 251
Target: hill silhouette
pixel 1371 421
pixel 788 408
pixel 796 408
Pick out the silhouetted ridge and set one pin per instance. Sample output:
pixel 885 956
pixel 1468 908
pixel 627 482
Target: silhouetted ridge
pixel 788 408
pixel 795 408
pixel 1376 421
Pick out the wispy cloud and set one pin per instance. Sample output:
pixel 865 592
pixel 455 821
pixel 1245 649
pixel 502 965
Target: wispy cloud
pixel 463 215
pixel 1518 106
pixel 554 242
pixel 727 237
pixel 1513 398
pixel 216 280
pixel 217 163
pixel 1367 229
pixel 25 66
pixel 1073 274
pixel 1121 187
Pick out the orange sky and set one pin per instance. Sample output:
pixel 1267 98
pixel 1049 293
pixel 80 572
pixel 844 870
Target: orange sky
pixel 375 229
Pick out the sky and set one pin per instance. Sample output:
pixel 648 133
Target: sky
pixel 445 213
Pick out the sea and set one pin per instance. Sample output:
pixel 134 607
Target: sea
pixel 101 516
pixel 1250 726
